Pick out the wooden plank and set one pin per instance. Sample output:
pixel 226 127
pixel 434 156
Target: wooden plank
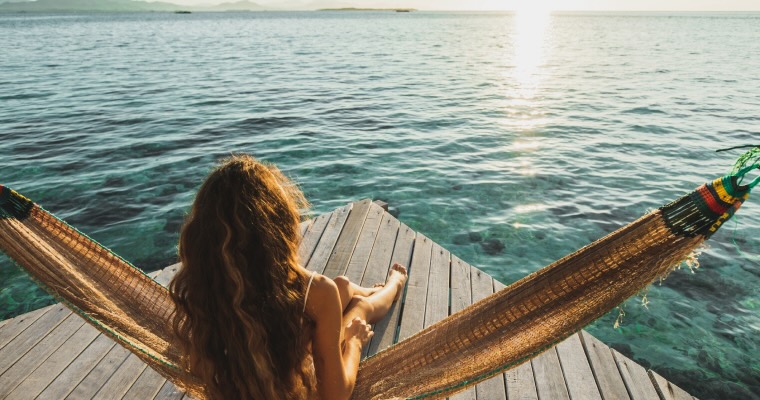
pixel 38 380
pixel 14 326
pixel 482 287
pixel 122 379
pixel 667 390
pixel 25 365
pixel 324 248
pixel 378 266
pixel 413 313
pixel 349 236
pixel 462 291
pixel 67 380
pixel 386 330
pixel 304 226
pixel 97 376
pixel 382 204
pixel 86 347
pixel 311 237
pixel 550 383
pixel 146 386
pixel 461 297
pixel 437 304
pixel 165 276
pixel 169 392
pixel 519 381
pixel 357 265
pixel 635 377
pixel 32 335
pixel 575 366
pixel 604 368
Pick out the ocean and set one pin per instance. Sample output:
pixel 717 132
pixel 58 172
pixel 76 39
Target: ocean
pixel 510 139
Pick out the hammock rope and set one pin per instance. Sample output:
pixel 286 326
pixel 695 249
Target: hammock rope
pixel 484 339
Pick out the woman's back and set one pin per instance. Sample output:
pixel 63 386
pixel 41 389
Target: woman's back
pixel 240 293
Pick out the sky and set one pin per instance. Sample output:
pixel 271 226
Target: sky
pixel 616 5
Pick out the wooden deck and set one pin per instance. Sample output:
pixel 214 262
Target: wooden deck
pixel 52 354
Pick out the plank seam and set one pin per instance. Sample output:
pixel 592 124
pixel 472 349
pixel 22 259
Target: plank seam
pixel 620 371
pixel 67 365
pixel 95 364
pixel 27 327
pixel 406 287
pixel 48 356
pixel 593 371
pixel 38 341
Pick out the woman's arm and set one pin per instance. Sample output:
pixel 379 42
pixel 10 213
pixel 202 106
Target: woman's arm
pixel 335 365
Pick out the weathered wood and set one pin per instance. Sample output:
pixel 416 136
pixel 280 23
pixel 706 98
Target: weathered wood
pixel 304 226
pixel 482 287
pixel 165 276
pixel 15 326
pixel 344 248
pixel 382 204
pixel 604 368
pixel 73 374
pixel 43 375
pixel 379 263
pixel 667 390
pixel 386 330
pixel 359 259
pixel 25 365
pixel 437 305
pixel 461 297
pixel 311 238
pixel 635 377
pixel 146 386
pixel 462 294
pixel 329 237
pixel 413 313
pixel 31 336
pixel 169 392
pixel 95 379
pixel 519 381
pixel 122 379
pixel 575 366
pixel 550 383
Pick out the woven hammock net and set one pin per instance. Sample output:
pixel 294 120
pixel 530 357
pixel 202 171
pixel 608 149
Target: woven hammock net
pixel 491 336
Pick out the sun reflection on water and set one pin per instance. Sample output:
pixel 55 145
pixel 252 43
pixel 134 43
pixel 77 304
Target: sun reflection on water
pixel 530 25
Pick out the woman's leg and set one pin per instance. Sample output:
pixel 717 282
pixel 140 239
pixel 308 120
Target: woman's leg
pixel 348 290
pixel 374 307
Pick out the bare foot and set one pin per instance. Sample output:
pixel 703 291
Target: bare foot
pixel 398 276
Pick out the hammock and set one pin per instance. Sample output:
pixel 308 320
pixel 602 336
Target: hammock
pixel 487 338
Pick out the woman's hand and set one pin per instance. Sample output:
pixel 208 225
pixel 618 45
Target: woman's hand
pixel 360 330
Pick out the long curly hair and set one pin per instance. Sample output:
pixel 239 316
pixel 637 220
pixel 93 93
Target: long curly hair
pixel 239 295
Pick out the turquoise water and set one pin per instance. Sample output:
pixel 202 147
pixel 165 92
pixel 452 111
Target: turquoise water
pixel 512 140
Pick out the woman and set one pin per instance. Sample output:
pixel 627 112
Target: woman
pixel 252 322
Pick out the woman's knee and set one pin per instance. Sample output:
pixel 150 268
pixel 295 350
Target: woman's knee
pixel 342 282
pixel 344 289
pixel 359 306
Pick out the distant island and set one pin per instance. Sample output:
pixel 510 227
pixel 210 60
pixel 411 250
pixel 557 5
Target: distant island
pixel 52 6
pixel 368 9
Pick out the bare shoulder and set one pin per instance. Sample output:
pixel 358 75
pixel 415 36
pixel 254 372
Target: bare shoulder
pixel 323 295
